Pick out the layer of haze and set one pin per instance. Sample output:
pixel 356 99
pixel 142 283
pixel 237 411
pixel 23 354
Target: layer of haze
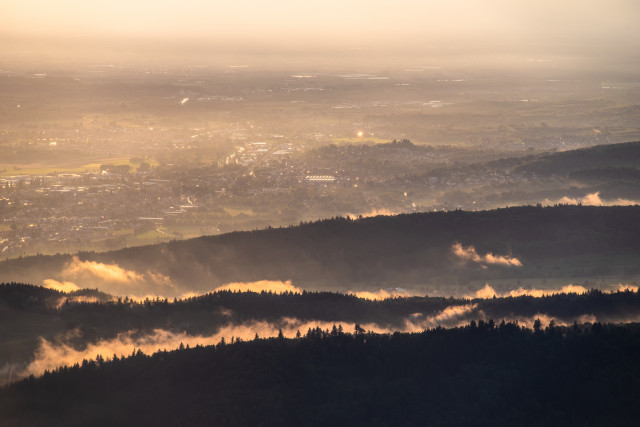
pixel 411 25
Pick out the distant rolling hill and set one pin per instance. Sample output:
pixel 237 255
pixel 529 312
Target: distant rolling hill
pixel 624 155
pixel 562 242
pixel 613 171
pixel 610 172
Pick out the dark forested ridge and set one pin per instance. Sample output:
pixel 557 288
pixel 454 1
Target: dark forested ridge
pixel 479 375
pixel 343 253
pixel 31 313
pixel 206 313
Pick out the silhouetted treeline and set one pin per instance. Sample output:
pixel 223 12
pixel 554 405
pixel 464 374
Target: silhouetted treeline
pixel 238 307
pixel 30 312
pixel 479 375
pixel 39 298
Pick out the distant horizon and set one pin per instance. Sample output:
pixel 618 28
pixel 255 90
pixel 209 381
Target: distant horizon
pixel 309 57
pixel 403 27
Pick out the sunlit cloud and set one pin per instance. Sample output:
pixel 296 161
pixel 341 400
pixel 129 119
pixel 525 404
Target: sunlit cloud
pixel 372 213
pixel 569 289
pixel 83 299
pixel 449 317
pixel 191 295
pixel 110 278
pixel 622 287
pixel 453 312
pixel 51 355
pixel 58 352
pixel 488 292
pixel 469 254
pixel 545 320
pixel 106 272
pixel 60 286
pixel 484 293
pixel 591 199
pixel 68 288
pixel 274 286
pixel 383 294
pixel 77 299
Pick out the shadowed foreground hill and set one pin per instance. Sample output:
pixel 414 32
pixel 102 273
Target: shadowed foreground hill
pixel 383 251
pixel 478 375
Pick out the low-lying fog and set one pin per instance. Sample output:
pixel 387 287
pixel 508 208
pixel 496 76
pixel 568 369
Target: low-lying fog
pixel 71 347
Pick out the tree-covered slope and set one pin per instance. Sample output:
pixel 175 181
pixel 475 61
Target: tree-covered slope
pixel 76 321
pixel 479 375
pixel 382 251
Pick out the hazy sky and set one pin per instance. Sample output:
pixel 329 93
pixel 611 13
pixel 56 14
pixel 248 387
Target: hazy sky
pixel 345 21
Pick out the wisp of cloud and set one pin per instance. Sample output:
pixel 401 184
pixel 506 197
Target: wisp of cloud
pixel 469 253
pixel 110 278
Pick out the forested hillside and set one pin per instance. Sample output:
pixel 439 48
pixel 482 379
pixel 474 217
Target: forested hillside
pixel 341 253
pixel 74 322
pixel 478 375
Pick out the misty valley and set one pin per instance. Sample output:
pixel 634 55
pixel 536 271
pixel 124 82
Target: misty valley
pixel 343 322
pixel 241 223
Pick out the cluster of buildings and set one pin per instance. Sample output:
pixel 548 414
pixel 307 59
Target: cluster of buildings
pixel 119 205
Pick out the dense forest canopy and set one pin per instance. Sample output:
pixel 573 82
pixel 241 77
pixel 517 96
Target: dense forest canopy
pixel 43 328
pixel 480 374
pixel 410 250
